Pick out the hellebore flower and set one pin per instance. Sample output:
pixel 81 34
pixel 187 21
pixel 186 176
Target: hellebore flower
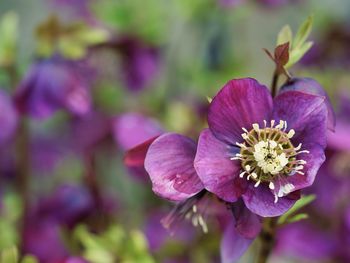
pixel 259 148
pixel 54 84
pixel 131 129
pixel 170 164
pixel 8 117
pixel 140 62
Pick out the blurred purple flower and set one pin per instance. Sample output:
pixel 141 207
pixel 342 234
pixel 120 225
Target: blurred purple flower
pixel 140 62
pixel 8 118
pixel 132 129
pixel 75 260
pixel 54 84
pixel 67 205
pixel 43 240
pixel 157 235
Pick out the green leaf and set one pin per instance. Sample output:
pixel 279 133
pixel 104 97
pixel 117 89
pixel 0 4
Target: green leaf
pixel 9 255
pixel 303 32
pixel 302 202
pixel 297 218
pixel 29 259
pixel 8 40
pixel 297 54
pixel 285 35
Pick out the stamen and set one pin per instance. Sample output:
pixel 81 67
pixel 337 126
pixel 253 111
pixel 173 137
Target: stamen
pixel 276 199
pixel 290 133
pixel 194 208
pixel 257 183
pixel 271 186
pixel 272 123
pixel 247 168
pixel 256 127
pixel 242 174
pixel 265 123
pixel 245 130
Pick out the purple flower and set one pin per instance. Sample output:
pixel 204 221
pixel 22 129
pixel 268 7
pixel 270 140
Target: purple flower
pixel 8 118
pixel 67 205
pixel 311 86
pixel 43 240
pixel 132 129
pixel 259 148
pixel 139 62
pixel 54 84
pixel 248 150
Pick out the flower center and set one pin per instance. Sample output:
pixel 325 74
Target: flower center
pixel 267 154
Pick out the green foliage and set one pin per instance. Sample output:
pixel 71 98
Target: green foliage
pixel 113 245
pixel 292 214
pixel 298 44
pixel 147 20
pixel 11 255
pixel 8 40
pixel 11 212
pixel 71 41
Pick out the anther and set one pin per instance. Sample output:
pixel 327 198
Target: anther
pixel 290 133
pixel 256 127
pixel 271 186
pixel 257 183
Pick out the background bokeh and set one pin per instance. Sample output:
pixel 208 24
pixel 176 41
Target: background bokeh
pixel 88 80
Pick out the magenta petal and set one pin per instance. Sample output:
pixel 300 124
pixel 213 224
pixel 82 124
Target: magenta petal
pixel 260 201
pixel 311 86
pixel 233 245
pixel 240 103
pixel 131 129
pixel 218 173
pixel 169 163
pixel 305 113
pixel 247 224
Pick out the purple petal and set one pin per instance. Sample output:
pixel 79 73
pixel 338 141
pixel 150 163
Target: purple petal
pixel 302 240
pixel 218 173
pixel 305 113
pixel 132 129
pixel 340 139
pixel 169 162
pixel 247 224
pixel 311 86
pixel 313 160
pixel 261 201
pixel 240 103
pixel 233 245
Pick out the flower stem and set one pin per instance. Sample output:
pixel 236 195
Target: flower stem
pixel 267 237
pixel 99 218
pixel 274 83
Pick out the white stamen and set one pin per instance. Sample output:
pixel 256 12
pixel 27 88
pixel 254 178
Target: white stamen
pixel 265 123
pixel 256 127
pixel 298 147
pixel 242 174
pixel 257 183
pixel 245 130
pixel 235 158
pixel 271 186
pixel 241 145
pixel 276 199
pixel 285 126
pixel 272 123
pixel 247 168
pixel 194 208
pixel 290 133
pixel 254 175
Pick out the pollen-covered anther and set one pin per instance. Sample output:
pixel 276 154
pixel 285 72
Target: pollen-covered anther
pixel 267 154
